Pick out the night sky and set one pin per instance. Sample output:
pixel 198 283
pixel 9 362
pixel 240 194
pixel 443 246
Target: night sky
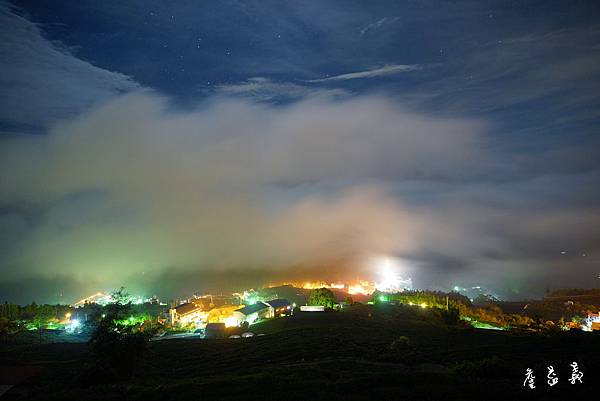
pixel 214 145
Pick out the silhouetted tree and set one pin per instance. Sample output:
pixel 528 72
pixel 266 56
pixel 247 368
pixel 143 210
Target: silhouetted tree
pixel 41 316
pixel 322 297
pixel 117 344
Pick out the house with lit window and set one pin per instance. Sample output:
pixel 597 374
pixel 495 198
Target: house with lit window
pixel 252 313
pixel 187 313
pixel 592 322
pixel 280 307
pixel 260 310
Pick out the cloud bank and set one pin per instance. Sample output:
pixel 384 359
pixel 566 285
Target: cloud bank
pixel 135 186
pixel 136 189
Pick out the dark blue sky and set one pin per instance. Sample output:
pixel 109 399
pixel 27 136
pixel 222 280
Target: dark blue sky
pixel 479 116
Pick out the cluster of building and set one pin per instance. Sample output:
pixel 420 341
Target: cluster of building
pixel 390 282
pixel 359 287
pixel 591 322
pixel 103 299
pixel 201 311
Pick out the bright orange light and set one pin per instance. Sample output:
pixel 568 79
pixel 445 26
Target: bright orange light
pixel 315 284
pixel 358 289
pixel 363 287
pixel 90 298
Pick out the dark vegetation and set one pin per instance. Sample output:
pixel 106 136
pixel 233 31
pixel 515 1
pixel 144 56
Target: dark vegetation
pixel 322 297
pixel 15 312
pixel 570 292
pixel 366 352
pixel 16 318
pixel 117 344
pixel 456 305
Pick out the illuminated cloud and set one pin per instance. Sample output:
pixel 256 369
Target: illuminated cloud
pixel 134 185
pixel 481 171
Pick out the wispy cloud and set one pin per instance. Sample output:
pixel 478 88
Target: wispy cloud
pixel 378 24
pixel 376 72
pixel 264 89
pixel 42 81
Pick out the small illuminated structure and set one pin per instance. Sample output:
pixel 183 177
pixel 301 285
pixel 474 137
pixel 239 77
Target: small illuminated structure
pixel 423 305
pixel 223 314
pixel 252 313
pixel 187 313
pixel 312 308
pixel 280 307
pixel 591 322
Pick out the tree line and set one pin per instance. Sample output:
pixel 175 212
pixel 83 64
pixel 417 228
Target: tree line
pixel 14 312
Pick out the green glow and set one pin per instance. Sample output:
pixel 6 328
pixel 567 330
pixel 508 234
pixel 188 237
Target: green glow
pixel 132 320
pixel 382 298
pixel 485 326
pixel 250 297
pixel 481 325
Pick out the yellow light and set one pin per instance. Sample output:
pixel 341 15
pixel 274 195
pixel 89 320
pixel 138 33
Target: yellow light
pixel 423 305
pixel 411 303
pixel 358 289
pixel 68 315
pixel 231 321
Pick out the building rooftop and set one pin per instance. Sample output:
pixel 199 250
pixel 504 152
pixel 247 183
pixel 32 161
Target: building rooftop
pixel 278 303
pixel 250 309
pixel 187 308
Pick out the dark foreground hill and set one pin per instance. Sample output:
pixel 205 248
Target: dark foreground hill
pixel 380 352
